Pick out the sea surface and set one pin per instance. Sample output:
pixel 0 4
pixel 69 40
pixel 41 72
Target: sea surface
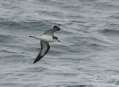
pixel 87 56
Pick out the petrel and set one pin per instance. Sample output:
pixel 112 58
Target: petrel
pixel 45 38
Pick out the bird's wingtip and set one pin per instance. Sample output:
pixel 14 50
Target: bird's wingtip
pixel 34 62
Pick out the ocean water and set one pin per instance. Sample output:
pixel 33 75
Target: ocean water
pixel 87 56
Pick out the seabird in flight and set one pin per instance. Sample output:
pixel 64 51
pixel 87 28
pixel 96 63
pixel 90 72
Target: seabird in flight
pixel 45 38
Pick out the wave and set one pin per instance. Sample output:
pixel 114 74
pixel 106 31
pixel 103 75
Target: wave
pixel 110 31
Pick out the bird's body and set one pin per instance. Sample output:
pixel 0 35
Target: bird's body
pixel 45 38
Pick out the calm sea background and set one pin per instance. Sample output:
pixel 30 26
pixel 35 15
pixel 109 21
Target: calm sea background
pixel 87 56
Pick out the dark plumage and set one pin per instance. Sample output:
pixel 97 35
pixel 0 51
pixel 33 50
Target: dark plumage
pixel 45 38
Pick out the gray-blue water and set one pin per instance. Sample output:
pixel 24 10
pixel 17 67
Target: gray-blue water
pixel 87 56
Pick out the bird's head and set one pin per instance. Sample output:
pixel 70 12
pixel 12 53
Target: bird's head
pixel 56 28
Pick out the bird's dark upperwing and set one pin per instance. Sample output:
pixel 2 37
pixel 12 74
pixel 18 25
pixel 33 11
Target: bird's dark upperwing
pixel 44 50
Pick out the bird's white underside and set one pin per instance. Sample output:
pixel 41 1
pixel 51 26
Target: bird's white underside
pixel 46 38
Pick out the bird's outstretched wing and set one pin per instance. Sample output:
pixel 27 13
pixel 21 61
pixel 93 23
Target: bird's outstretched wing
pixel 44 50
pixel 34 37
